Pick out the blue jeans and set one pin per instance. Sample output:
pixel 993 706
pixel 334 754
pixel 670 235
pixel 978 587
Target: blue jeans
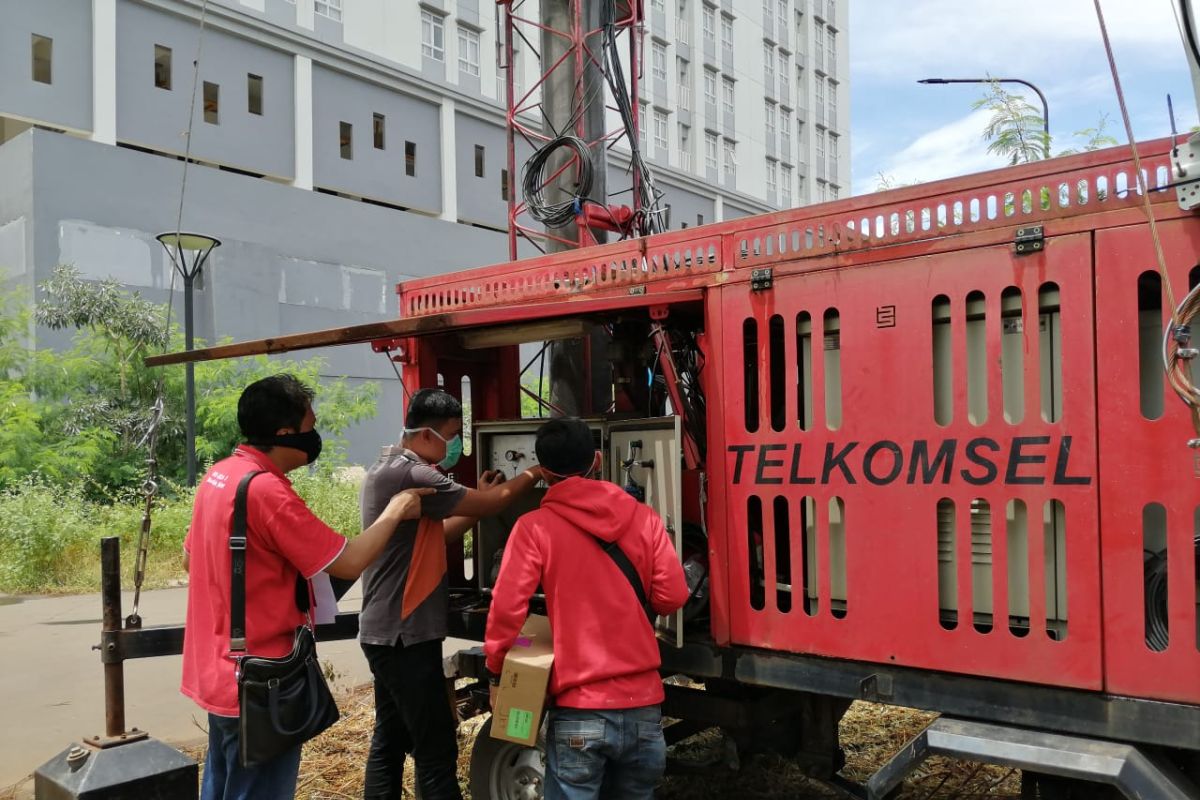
pixel 593 754
pixel 226 779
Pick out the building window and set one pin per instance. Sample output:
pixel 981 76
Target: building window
pixel 254 94
pixel 212 103
pixel 785 133
pixel 685 84
pixel 468 51
pixel 822 193
pixel 831 49
pixel 769 68
pixel 819 138
pixel 330 8
pixel 786 184
pixel 480 152
pixel 771 117
pixel 833 105
pixel 410 158
pixel 660 132
pixel 659 5
pixel 784 69
pixel 710 24
pixel 772 178
pixel 726 32
pixel 433 36
pixel 710 87
pixel 658 61
pixel 727 95
pixel 643 124
pixel 685 148
pixel 710 152
pixel 833 192
pixel 162 67
pixel 781 20
pixel 42 50
pixel 819 99
pixel 682 23
pixel 818 47
pixel 833 157
pixel 504 184
pixel 378 125
pixel 730 161
pixel 346 140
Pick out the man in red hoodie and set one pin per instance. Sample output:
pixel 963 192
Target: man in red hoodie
pixel 605 736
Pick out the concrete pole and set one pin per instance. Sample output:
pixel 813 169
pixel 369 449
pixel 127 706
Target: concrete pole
pixel 572 389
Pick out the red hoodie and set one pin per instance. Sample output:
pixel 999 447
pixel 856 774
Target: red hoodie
pixel 605 651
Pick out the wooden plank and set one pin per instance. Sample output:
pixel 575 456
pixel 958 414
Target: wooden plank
pixel 421 326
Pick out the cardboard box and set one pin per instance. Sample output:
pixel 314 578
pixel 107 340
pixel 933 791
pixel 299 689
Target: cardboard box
pixel 521 697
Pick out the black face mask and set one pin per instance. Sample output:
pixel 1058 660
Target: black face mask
pixel 308 442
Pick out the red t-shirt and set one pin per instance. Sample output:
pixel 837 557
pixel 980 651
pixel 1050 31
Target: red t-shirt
pixel 284 538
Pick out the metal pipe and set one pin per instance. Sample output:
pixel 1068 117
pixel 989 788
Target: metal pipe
pixel 110 598
pixel 189 279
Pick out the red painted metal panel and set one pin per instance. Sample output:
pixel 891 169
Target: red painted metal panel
pixel 889 611
pixel 1144 461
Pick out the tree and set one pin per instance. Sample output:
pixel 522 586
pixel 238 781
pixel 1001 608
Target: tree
pixel 1016 131
pixel 81 415
pixel 1094 138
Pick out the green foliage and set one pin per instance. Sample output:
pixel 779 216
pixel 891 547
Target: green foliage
pixel 80 417
pixel 1016 129
pixel 51 535
pixel 1094 138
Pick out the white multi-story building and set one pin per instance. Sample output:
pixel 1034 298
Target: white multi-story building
pixel 340 146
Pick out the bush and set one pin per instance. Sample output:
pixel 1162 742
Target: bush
pixel 50 539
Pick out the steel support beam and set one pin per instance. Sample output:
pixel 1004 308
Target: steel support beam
pixel 1124 766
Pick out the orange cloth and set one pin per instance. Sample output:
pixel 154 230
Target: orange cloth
pixel 428 565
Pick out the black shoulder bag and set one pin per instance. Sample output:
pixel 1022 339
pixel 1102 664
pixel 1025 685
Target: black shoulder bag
pixel 630 572
pixel 282 702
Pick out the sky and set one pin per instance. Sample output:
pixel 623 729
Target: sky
pixel 912 132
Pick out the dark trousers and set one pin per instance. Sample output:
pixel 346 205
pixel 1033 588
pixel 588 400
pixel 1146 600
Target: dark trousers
pixel 412 716
pixel 226 779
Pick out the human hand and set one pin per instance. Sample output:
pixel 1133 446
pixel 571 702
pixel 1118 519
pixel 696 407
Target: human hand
pixel 407 504
pixel 491 479
pixel 536 472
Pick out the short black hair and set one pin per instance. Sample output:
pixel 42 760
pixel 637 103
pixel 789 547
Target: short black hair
pixel 280 401
pixel 565 446
pixel 430 407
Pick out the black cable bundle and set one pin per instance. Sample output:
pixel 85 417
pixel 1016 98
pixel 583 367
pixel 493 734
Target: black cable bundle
pixel 556 215
pixel 1157 635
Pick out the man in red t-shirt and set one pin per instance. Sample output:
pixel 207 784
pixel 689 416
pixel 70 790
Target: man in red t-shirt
pixel 285 541
pixel 604 737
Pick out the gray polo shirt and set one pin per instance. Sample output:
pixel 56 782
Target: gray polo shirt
pixel 384 581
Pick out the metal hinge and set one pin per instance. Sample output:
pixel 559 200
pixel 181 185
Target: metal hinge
pixel 762 279
pixel 1030 239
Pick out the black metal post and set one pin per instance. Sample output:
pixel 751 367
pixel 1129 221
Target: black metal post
pixel 189 279
pixel 110 598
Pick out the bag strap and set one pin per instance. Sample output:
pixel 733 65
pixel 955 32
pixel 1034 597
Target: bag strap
pixel 629 571
pixel 237 566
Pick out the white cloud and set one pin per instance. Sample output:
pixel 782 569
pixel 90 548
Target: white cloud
pixel 953 38
pixel 956 148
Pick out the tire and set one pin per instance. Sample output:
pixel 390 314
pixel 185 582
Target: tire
pixel 505 771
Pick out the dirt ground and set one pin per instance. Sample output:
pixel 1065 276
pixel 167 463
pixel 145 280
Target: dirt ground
pixel 332 765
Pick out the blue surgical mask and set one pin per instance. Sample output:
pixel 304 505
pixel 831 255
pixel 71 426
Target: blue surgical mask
pixel 454 447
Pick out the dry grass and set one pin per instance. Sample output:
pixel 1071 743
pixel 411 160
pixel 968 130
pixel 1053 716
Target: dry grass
pixel 332 765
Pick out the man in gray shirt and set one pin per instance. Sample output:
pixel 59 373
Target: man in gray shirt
pixel 403 621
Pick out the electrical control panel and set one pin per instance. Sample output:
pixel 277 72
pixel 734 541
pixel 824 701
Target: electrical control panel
pixel 641 456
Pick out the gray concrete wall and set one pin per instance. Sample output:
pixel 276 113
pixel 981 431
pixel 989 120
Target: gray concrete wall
pixel 16 213
pixel 158 118
pixel 291 260
pixel 479 199
pixel 67 100
pixel 377 174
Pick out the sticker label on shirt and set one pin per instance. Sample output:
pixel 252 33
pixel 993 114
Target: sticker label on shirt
pixel 520 723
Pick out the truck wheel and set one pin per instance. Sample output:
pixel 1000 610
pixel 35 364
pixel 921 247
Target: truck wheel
pixel 505 771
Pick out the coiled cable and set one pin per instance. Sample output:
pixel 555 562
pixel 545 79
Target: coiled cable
pixel 537 181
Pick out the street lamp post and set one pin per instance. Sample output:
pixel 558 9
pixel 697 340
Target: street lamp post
pixel 188 252
pixel 1037 91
